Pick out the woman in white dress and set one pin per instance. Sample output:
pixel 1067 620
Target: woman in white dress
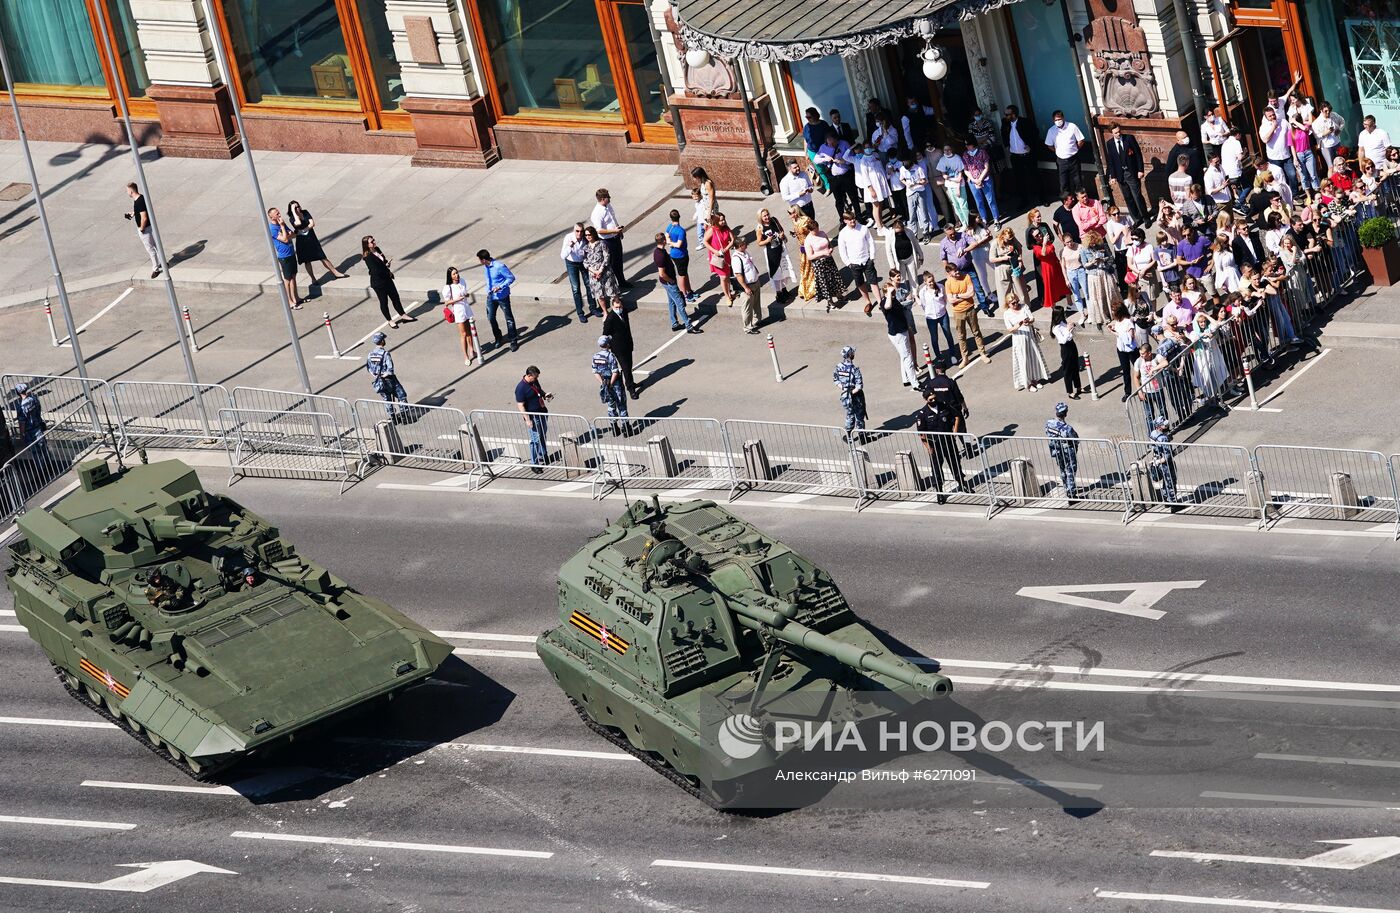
pixel 454 295
pixel 978 250
pixel 1027 364
pixel 874 184
pixel 1227 276
pixel 1207 362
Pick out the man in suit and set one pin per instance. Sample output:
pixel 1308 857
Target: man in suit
pixel 843 130
pixel 1020 139
pixel 617 327
pixel 1126 170
pixel 1246 246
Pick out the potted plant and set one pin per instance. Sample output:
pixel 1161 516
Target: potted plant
pixel 1379 250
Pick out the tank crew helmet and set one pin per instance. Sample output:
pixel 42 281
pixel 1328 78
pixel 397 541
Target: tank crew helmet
pixel 604 342
pixel 1062 409
pixel 248 574
pixel 848 352
pixel 378 339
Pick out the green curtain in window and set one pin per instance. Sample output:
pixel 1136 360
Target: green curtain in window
pixel 50 42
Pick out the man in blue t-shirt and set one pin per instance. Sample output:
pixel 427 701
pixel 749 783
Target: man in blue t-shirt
pixel 679 249
pixel 282 235
pixel 530 399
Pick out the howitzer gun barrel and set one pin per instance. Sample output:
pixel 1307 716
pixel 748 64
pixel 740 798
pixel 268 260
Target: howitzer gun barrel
pixel 779 626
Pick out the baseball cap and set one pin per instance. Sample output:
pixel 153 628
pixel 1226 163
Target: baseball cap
pixel 1062 408
pixel 604 341
pixel 378 338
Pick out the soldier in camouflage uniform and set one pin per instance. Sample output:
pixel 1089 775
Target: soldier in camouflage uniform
pixel 851 385
pixel 1064 447
pixel 1163 463
pixel 162 593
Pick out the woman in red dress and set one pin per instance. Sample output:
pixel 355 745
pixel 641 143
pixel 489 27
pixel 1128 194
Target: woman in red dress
pixel 1053 287
pixel 719 241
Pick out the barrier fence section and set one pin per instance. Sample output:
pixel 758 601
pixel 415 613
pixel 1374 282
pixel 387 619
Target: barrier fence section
pixel 1031 470
pixel 276 403
pixel 420 437
pixel 278 442
pixel 169 415
pixel 28 475
pixel 1324 483
pixel 915 466
pixel 790 458
pixel 68 403
pixel 1167 476
pixel 499 444
pixel 664 452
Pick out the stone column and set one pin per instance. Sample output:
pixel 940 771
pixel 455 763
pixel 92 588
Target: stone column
pixel 451 121
pixel 195 107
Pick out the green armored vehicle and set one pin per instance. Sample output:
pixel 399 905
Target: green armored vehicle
pixel 189 622
pixel 687 635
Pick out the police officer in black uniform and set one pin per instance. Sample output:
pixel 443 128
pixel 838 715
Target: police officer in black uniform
pixel 935 421
pixel 951 397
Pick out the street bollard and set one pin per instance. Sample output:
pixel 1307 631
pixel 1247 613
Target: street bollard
pixel 1089 368
pixel 48 315
pixel 189 326
pixel 773 350
pixel 1249 382
pixel 335 349
pixel 928 360
pixel 476 341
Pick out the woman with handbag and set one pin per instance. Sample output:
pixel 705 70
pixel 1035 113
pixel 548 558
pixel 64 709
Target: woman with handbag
pixel 457 308
pixel 1007 269
pixel 381 280
pixel 719 241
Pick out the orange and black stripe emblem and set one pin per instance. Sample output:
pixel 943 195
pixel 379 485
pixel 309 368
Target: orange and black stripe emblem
pixel 104 679
pixel 599 633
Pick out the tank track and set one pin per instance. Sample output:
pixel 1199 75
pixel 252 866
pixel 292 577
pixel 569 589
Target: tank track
pixel 161 752
pixel 646 757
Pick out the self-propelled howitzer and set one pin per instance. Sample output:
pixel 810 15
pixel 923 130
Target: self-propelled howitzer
pixel 191 623
pixel 687 635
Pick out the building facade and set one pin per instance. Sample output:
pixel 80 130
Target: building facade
pixel 468 82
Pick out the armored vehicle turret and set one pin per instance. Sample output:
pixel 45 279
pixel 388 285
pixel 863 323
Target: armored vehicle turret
pixel 192 624
pixel 686 634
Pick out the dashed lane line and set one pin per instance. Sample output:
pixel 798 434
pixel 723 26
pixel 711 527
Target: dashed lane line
pixel 39 721
pixel 68 822
pixel 818 873
pixel 1239 902
pixel 490 749
pixel 394 845
pixel 501 654
pixel 1298 800
pixel 1321 759
pixel 163 788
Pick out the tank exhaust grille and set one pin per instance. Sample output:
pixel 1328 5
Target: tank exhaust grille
pixel 600 587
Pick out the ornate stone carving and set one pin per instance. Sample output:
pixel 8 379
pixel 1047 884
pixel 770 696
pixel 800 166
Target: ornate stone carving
pixel 859 38
pixel 714 80
pixel 1118 50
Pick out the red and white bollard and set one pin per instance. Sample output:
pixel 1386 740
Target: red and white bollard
pixel 928 360
pixel 189 327
pixel 1249 382
pixel 773 351
pixel 1089 369
pixel 476 341
pixel 330 331
pixel 53 331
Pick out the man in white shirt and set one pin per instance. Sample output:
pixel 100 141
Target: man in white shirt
pixel 1217 185
pixel 746 273
pixel 604 219
pixel 1232 163
pixel 1017 135
pixel 796 189
pixel 856 245
pixel 1064 139
pixel 918 195
pixel 1327 127
pixel 1214 132
pixel 1372 141
pixel 1273 132
pixel 572 254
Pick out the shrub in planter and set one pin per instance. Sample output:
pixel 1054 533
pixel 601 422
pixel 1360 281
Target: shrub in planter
pixel 1377 231
pixel 1379 250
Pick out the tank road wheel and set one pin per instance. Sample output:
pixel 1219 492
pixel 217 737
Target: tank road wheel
pixel 196 768
pixel 152 738
pixel 70 681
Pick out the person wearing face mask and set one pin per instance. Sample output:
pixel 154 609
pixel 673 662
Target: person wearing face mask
pixel 835 156
pixel 873 183
pixel 1018 136
pixel 1064 139
pixel 950 168
pixel 977 166
pixel 618 329
pixel 915 123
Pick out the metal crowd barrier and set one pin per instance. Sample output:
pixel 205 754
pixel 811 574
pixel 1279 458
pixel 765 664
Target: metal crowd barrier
pixel 419 437
pixel 912 466
pixel 168 415
pixel 1217 478
pixel 791 458
pixel 35 468
pixel 70 403
pixel 1324 483
pixel 1028 471
pixel 497 444
pixel 278 442
pixel 664 452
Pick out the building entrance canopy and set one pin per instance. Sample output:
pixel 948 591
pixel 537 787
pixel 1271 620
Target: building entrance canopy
pixel 800 29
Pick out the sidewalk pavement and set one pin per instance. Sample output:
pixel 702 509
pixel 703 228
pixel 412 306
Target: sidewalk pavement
pixel 424 218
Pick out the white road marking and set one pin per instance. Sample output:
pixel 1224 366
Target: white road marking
pixel 14 629
pixel 394 845
pixel 500 749
pixel 1298 800
pixel 675 338
pixel 259 785
pixel 792 498
pixel 364 339
pixel 1185 677
pixel 1301 371
pixel 1138 602
pixel 68 822
pixel 1350 856
pixel 975 360
pixel 570 486
pixel 1239 902
pixel 1247 409
pixel 9 613
pixel 120 298
pixel 479 635
pixel 163 788
pixel 40 721
pixel 817 873
pixel 152 875
pixel 504 654
pixel 1318 759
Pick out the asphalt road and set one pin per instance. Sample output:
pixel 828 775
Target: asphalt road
pixel 457 768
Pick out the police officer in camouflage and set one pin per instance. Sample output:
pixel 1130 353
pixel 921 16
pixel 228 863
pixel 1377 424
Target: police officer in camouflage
pixel 380 365
pixel 611 391
pixel 851 385
pixel 29 422
pixel 1162 465
pixel 1064 448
